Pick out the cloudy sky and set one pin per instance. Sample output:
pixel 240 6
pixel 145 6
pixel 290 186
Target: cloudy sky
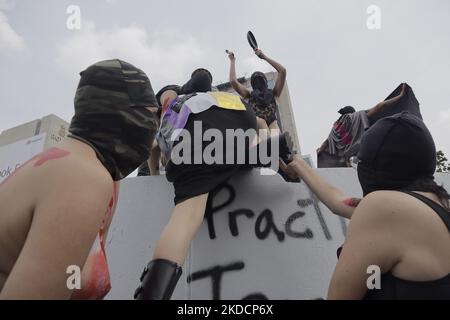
pixel 332 58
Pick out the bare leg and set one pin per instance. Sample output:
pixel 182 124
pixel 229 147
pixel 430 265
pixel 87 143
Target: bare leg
pixel 160 277
pixel 263 130
pixel 274 129
pixel 176 237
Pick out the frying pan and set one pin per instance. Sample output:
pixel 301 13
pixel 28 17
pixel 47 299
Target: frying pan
pixel 252 40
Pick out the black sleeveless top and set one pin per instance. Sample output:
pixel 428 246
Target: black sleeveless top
pixel 393 288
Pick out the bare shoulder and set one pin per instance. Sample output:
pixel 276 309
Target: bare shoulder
pixel 394 209
pixel 381 204
pixel 70 177
pixel 72 168
pixel 383 210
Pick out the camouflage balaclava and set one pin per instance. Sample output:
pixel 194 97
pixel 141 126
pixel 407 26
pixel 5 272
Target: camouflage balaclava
pixel 111 115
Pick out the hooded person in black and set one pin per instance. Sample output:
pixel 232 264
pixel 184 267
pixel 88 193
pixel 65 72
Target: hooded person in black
pixel 200 81
pixel 344 138
pixel 195 181
pixel 401 225
pixel 262 98
pixel 397 154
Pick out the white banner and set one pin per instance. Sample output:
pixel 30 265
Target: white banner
pixel 15 154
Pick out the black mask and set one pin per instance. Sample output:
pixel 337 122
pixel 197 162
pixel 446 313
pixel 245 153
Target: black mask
pixel 261 95
pixel 395 152
pixel 201 81
pixel 111 115
pixel 258 81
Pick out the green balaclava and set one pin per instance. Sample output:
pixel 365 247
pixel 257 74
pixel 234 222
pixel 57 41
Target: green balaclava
pixel 111 115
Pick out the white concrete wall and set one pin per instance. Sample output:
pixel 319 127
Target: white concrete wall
pixel 297 264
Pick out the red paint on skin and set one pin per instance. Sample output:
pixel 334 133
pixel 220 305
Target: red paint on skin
pixel 96 281
pixel 50 154
pixel 352 202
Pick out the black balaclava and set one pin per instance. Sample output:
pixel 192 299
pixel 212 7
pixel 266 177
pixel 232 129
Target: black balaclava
pixel 258 81
pixel 346 110
pixel 395 152
pixel 261 95
pixel 111 115
pixel 201 81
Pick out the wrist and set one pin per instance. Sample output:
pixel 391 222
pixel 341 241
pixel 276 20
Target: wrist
pixel 301 164
pixel 297 164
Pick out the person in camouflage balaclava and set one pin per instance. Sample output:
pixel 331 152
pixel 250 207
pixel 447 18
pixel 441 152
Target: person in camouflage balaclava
pixel 111 115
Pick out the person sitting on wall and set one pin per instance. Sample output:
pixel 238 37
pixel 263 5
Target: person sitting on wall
pixel 345 136
pixel 401 226
pixel 200 81
pixel 193 180
pixel 55 210
pixel 261 98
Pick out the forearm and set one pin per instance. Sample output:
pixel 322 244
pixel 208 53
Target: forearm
pixel 281 77
pixel 331 196
pixel 233 77
pixel 383 105
pixel 239 88
pixel 280 69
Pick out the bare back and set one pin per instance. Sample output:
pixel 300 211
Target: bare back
pixel 426 240
pixel 54 202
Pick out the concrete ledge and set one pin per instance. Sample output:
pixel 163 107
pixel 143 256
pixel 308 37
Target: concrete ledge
pixel 264 238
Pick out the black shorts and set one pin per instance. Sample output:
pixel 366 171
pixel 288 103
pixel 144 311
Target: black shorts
pixel 191 180
pixel 266 113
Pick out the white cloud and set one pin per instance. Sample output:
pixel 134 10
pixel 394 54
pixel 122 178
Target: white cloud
pixel 9 39
pixel 6 5
pixel 443 118
pixel 166 56
pixel 254 63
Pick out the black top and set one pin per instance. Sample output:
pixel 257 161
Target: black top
pixel 190 180
pixel 393 288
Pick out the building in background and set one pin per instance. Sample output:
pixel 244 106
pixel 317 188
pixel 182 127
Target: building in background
pixel 285 115
pixel 52 126
pixel 21 143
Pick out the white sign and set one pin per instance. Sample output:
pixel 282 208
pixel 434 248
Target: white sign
pixel 263 238
pixel 15 154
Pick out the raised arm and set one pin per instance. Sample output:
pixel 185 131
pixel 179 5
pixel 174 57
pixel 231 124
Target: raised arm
pixel 240 89
pixel 281 77
pixel 386 104
pixel 332 197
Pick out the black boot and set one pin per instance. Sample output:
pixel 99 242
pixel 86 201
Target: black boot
pixel 158 280
pixel 286 152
